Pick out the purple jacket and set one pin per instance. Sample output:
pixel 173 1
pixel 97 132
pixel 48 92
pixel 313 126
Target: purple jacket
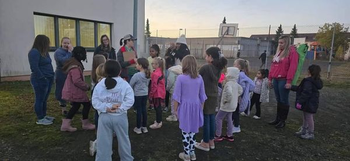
pixel 75 88
pixel 248 86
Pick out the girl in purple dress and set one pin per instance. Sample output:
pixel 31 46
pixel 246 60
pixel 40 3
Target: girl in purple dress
pixel 189 96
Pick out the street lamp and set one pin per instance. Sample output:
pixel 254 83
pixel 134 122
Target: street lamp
pixel 180 31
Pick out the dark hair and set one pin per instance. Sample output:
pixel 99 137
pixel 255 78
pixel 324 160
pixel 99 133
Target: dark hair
pixel 112 69
pixel 218 61
pixel 156 48
pixel 103 53
pixel 96 61
pixel 263 73
pixel 123 42
pixel 109 43
pixel 42 44
pixel 182 52
pixel 143 62
pixel 315 71
pixel 79 53
pixel 169 61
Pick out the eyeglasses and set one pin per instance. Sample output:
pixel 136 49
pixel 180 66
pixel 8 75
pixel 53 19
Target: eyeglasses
pixel 104 39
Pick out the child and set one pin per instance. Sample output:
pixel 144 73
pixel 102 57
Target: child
pixel 112 97
pixel 157 91
pixel 139 82
pixel 232 90
pixel 173 72
pixel 97 73
pixel 210 74
pixel 188 97
pixel 75 89
pixel 248 86
pixel 307 100
pixel 153 52
pixel 260 93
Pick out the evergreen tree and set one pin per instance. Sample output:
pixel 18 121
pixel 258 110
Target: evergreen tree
pixel 148 32
pixel 294 33
pixel 224 21
pixel 279 32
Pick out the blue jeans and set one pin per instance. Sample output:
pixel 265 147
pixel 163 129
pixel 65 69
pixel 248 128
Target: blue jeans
pixel 208 127
pixel 281 93
pixel 42 88
pixel 141 116
pixel 60 79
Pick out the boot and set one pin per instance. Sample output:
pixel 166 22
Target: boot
pixel 66 126
pixel 281 124
pixel 284 110
pixel 86 125
pixel 277 120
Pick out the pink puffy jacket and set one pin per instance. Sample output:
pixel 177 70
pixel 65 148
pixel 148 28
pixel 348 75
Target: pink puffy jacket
pixel 75 88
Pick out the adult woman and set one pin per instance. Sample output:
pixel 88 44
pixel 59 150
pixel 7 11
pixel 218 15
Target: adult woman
pixel 105 47
pixel 41 77
pixel 61 55
pixel 127 43
pixel 283 67
pixel 181 50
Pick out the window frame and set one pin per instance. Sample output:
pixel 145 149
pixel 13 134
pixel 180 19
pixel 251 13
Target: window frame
pixel 77 30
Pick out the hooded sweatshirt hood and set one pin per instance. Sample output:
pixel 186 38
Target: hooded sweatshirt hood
pixel 318 83
pixel 181 40
pixel 232 74
pixel 177 69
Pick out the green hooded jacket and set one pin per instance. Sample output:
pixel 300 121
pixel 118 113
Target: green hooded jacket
pixel 302 50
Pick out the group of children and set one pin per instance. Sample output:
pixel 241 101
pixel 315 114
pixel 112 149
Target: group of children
pixel 193 97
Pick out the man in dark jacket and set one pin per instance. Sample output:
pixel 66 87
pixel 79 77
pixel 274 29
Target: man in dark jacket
pixel 263 59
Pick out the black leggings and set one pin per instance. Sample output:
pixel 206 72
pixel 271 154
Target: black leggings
pixel 157 103
pixel 256 100
pixel 75 108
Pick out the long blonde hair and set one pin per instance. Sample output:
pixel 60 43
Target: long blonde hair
pixel 100 72
pixel 96 61
pixel 285 51
pixel 243 65
pixel 189 66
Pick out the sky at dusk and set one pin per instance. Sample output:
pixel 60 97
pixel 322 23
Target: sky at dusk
pixel 201 18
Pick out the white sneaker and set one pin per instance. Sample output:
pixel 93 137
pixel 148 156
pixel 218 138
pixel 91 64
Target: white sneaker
pixel 144 129
pixel 92 148
pixel 44 122
pixel 243 114
pixel 171 118
pixel 156 125
pixel 137 130
pixel 256 117
pixel 236 129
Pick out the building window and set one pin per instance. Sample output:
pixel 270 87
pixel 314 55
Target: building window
pixel 66 28
pixel 45 25
pixel 87 36
pixel 84 33
pixel 103 29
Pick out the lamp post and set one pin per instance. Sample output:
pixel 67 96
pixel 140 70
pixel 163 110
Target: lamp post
pixel 180 31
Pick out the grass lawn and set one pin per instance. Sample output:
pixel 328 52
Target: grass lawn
pixel 22 139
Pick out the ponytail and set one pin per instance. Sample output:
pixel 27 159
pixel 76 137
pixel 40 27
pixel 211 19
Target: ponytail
pixel 219 61
pixel 148 73
pixel 143 62
pixel 110 83
pixel 244 65
pixel 121 42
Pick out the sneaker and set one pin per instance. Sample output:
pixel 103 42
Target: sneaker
pixel 256 117
pixel 243 114
pixel 302 131
pixel 185 157
pixel 165 109
pixel 44 122
pixel 193 156
pixel 50 118
pixel 137 130
pixel 144 129
pixel 211 144
pixel 92 148
pixel 156 125
pixel 236 129
pixel 218 138
pixel 229 138
pixel 201 147
pixel 308 136
pixel 171 118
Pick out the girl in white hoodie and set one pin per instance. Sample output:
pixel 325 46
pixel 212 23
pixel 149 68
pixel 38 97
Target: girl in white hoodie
pixel 173 72
pixel 112 97
pixel 229 100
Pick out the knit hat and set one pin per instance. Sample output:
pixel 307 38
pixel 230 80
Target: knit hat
pixel 181 40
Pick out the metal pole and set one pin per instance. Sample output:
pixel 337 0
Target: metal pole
pixel 268 46
pixel 330 55
pixel 135 22
pixel 185 32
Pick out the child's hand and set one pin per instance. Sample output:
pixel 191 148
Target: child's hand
pixel 270 84
pixel 298 106
pixel 70 48
pixel 288 86
pixel 111 110
pixel 115 106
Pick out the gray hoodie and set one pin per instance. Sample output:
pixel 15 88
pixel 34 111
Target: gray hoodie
pixel 139 83
pixel 173 72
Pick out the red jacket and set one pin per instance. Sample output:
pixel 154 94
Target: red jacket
pixel 286 67
pixel 157 84
pixel 75 88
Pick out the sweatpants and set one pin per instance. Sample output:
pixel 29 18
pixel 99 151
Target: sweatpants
pixel 107 125
pixel 75 108
pixel 219 118
pixel 188 141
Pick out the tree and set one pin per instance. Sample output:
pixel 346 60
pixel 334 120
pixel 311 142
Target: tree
pixel 340 53
pixel 224 21
pixel 294 33
pixel 324 36
pixel 279 32
pixel 148 32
